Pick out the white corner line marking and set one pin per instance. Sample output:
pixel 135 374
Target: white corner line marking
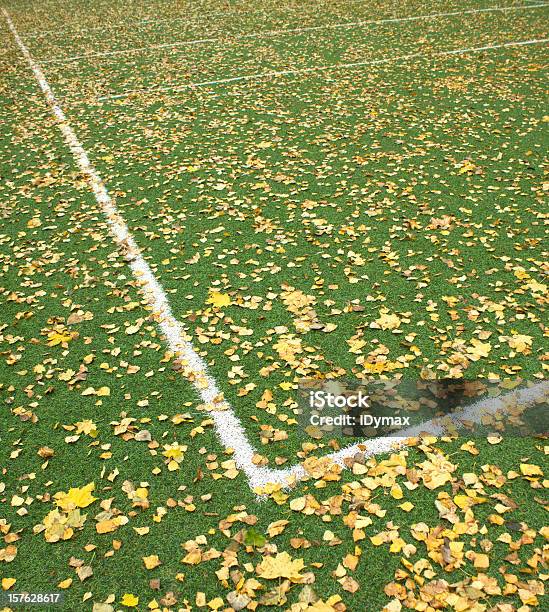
pixel 472 413
pixel 288 32
pixel 227 426
pixel 282 73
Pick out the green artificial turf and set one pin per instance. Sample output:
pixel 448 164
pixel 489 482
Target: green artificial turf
pixel 413 188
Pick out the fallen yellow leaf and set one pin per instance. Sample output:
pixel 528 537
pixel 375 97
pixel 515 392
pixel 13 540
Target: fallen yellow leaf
pixel 75 498
pixel 218 299
pixel 7 583
pixel 151 561
pixel 129 600
pixel 281 566
pixel 529 469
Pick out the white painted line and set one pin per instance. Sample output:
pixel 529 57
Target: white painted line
pixel 287 32
pixel 227 426
pixel 282 73
pixel 237 13
pixel 114 26
pixel 74 58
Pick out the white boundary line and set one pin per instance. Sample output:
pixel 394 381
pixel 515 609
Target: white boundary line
pixel 188 19
pixel 288 32
pixel 40 34
pixel 227 426
pixel 282 73
pixel 474 413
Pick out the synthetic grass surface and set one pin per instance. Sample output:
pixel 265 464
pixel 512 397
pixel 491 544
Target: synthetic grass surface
pixel 311 201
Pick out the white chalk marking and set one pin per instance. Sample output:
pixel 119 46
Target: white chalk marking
pixel 286 32
pixel 114 26
pixel 282 73
pixel 187 19
pixel 227 426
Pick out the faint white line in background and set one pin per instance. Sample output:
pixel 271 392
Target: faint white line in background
pixel 282 73
pixel 197 17
pixel 287 32
pixel 109 26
